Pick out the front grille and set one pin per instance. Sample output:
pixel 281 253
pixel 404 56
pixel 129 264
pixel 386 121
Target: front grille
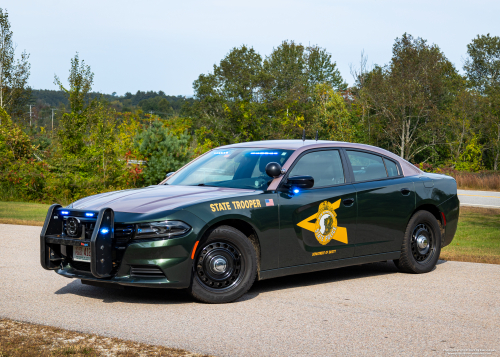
pixel 123 232
pixel 82 266
pixel 146 271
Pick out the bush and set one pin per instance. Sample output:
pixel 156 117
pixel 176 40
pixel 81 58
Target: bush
pixel 482 180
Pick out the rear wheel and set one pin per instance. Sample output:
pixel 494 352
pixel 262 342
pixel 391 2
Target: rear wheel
pixel 225 267
pixel 421 244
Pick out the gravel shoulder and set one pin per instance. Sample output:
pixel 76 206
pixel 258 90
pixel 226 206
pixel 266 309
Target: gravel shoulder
pixel 364 310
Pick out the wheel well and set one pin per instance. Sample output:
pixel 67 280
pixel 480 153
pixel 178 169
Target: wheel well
pixel 246 229
pixel 435 212
pixel 432 209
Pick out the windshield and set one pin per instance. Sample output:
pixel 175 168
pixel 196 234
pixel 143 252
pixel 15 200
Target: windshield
pixel 235 168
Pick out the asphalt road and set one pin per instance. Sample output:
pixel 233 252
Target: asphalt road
pixel 360 311
pixel 487 199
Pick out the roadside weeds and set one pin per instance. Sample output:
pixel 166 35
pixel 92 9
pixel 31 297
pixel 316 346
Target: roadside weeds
pixel 21 339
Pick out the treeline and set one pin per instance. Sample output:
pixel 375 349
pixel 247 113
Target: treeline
pixel 150 102
pixel 417 105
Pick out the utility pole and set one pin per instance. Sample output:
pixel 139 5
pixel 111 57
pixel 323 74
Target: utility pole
pixel 53 119
pixel 31 105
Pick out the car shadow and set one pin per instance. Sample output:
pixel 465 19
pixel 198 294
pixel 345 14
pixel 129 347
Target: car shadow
pixel 127 294
pixel 134 295
pixel 323 277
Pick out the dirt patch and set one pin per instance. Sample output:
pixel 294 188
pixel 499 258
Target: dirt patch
pixel 20 339
pixel 481 210
pixel 471 258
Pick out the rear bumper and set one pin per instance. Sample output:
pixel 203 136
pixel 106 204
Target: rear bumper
pixel 451 210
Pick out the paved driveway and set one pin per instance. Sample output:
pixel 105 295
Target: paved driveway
pixel 487 199
pixel 367 310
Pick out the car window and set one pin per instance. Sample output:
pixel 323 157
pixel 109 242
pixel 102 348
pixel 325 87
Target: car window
pixel 392 168
pixel 324 166
pixel 232 167
pixel 366 166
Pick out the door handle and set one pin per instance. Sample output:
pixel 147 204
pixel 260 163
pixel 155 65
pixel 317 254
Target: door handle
pixel 405 191
pixel 348 202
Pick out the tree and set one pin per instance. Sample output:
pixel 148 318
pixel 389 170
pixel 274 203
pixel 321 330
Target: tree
pixel 228 107
pixel 408 93
pixel 164 152
pixel 483 64
pixel 14 90
pixel 332 119
pixel 463 118
pixel 159 105
pixel 80 84
pixel 483 71
pixel 246 98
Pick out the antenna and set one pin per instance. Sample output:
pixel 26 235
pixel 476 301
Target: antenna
pixel 316 135
pixel 304 134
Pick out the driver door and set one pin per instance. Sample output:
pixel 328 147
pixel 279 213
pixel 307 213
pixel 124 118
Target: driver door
pixel 318 224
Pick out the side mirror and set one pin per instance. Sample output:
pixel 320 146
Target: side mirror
pixel 170 174
pixel 300 181
pixel 273 169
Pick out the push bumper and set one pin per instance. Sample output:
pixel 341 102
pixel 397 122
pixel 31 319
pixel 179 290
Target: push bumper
pixel 162 263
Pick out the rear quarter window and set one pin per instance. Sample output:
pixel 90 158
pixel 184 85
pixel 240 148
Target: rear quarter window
pixel 392 168
pixel 366 166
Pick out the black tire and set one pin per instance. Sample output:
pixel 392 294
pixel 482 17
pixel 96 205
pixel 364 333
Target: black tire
pixel 225 267
pixel 415 257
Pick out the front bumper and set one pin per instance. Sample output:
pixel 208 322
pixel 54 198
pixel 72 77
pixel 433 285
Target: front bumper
pixel 160 263
pixel 168 260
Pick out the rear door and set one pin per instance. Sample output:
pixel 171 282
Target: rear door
pixel 318 224
pixel 385 202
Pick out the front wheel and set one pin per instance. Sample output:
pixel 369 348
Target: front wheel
pixel 421 244
pixel 225 267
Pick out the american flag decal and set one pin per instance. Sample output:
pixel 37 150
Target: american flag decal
pixel 269 202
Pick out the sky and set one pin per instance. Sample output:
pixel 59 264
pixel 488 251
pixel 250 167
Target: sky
pixel 165 45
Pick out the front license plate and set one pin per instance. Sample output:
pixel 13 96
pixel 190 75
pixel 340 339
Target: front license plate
pixel 81 254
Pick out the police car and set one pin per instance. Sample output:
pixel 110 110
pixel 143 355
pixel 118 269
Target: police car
pixel 254 211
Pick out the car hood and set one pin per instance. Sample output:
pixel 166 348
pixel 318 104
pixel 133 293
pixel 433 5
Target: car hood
pixel 157 198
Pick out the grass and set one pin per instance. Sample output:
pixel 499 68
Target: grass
pixel 478 181
pixel 20 339
pixel 482 181
pixel 477 238
pixel 30 214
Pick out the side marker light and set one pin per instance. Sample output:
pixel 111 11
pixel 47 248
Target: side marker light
pixel 194 249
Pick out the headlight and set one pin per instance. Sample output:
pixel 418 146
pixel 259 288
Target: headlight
pixel 165 229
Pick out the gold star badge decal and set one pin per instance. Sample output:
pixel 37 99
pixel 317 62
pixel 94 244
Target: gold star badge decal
pixel 325 228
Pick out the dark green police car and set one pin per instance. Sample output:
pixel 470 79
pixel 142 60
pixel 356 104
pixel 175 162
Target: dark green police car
pixel 256 210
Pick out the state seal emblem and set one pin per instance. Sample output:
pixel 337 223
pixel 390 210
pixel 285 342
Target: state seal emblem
pixel 325 227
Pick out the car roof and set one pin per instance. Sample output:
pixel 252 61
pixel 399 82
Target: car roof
pixel 300 146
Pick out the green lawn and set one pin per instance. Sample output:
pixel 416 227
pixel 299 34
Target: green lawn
pixel 32 214
pixel 477 238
